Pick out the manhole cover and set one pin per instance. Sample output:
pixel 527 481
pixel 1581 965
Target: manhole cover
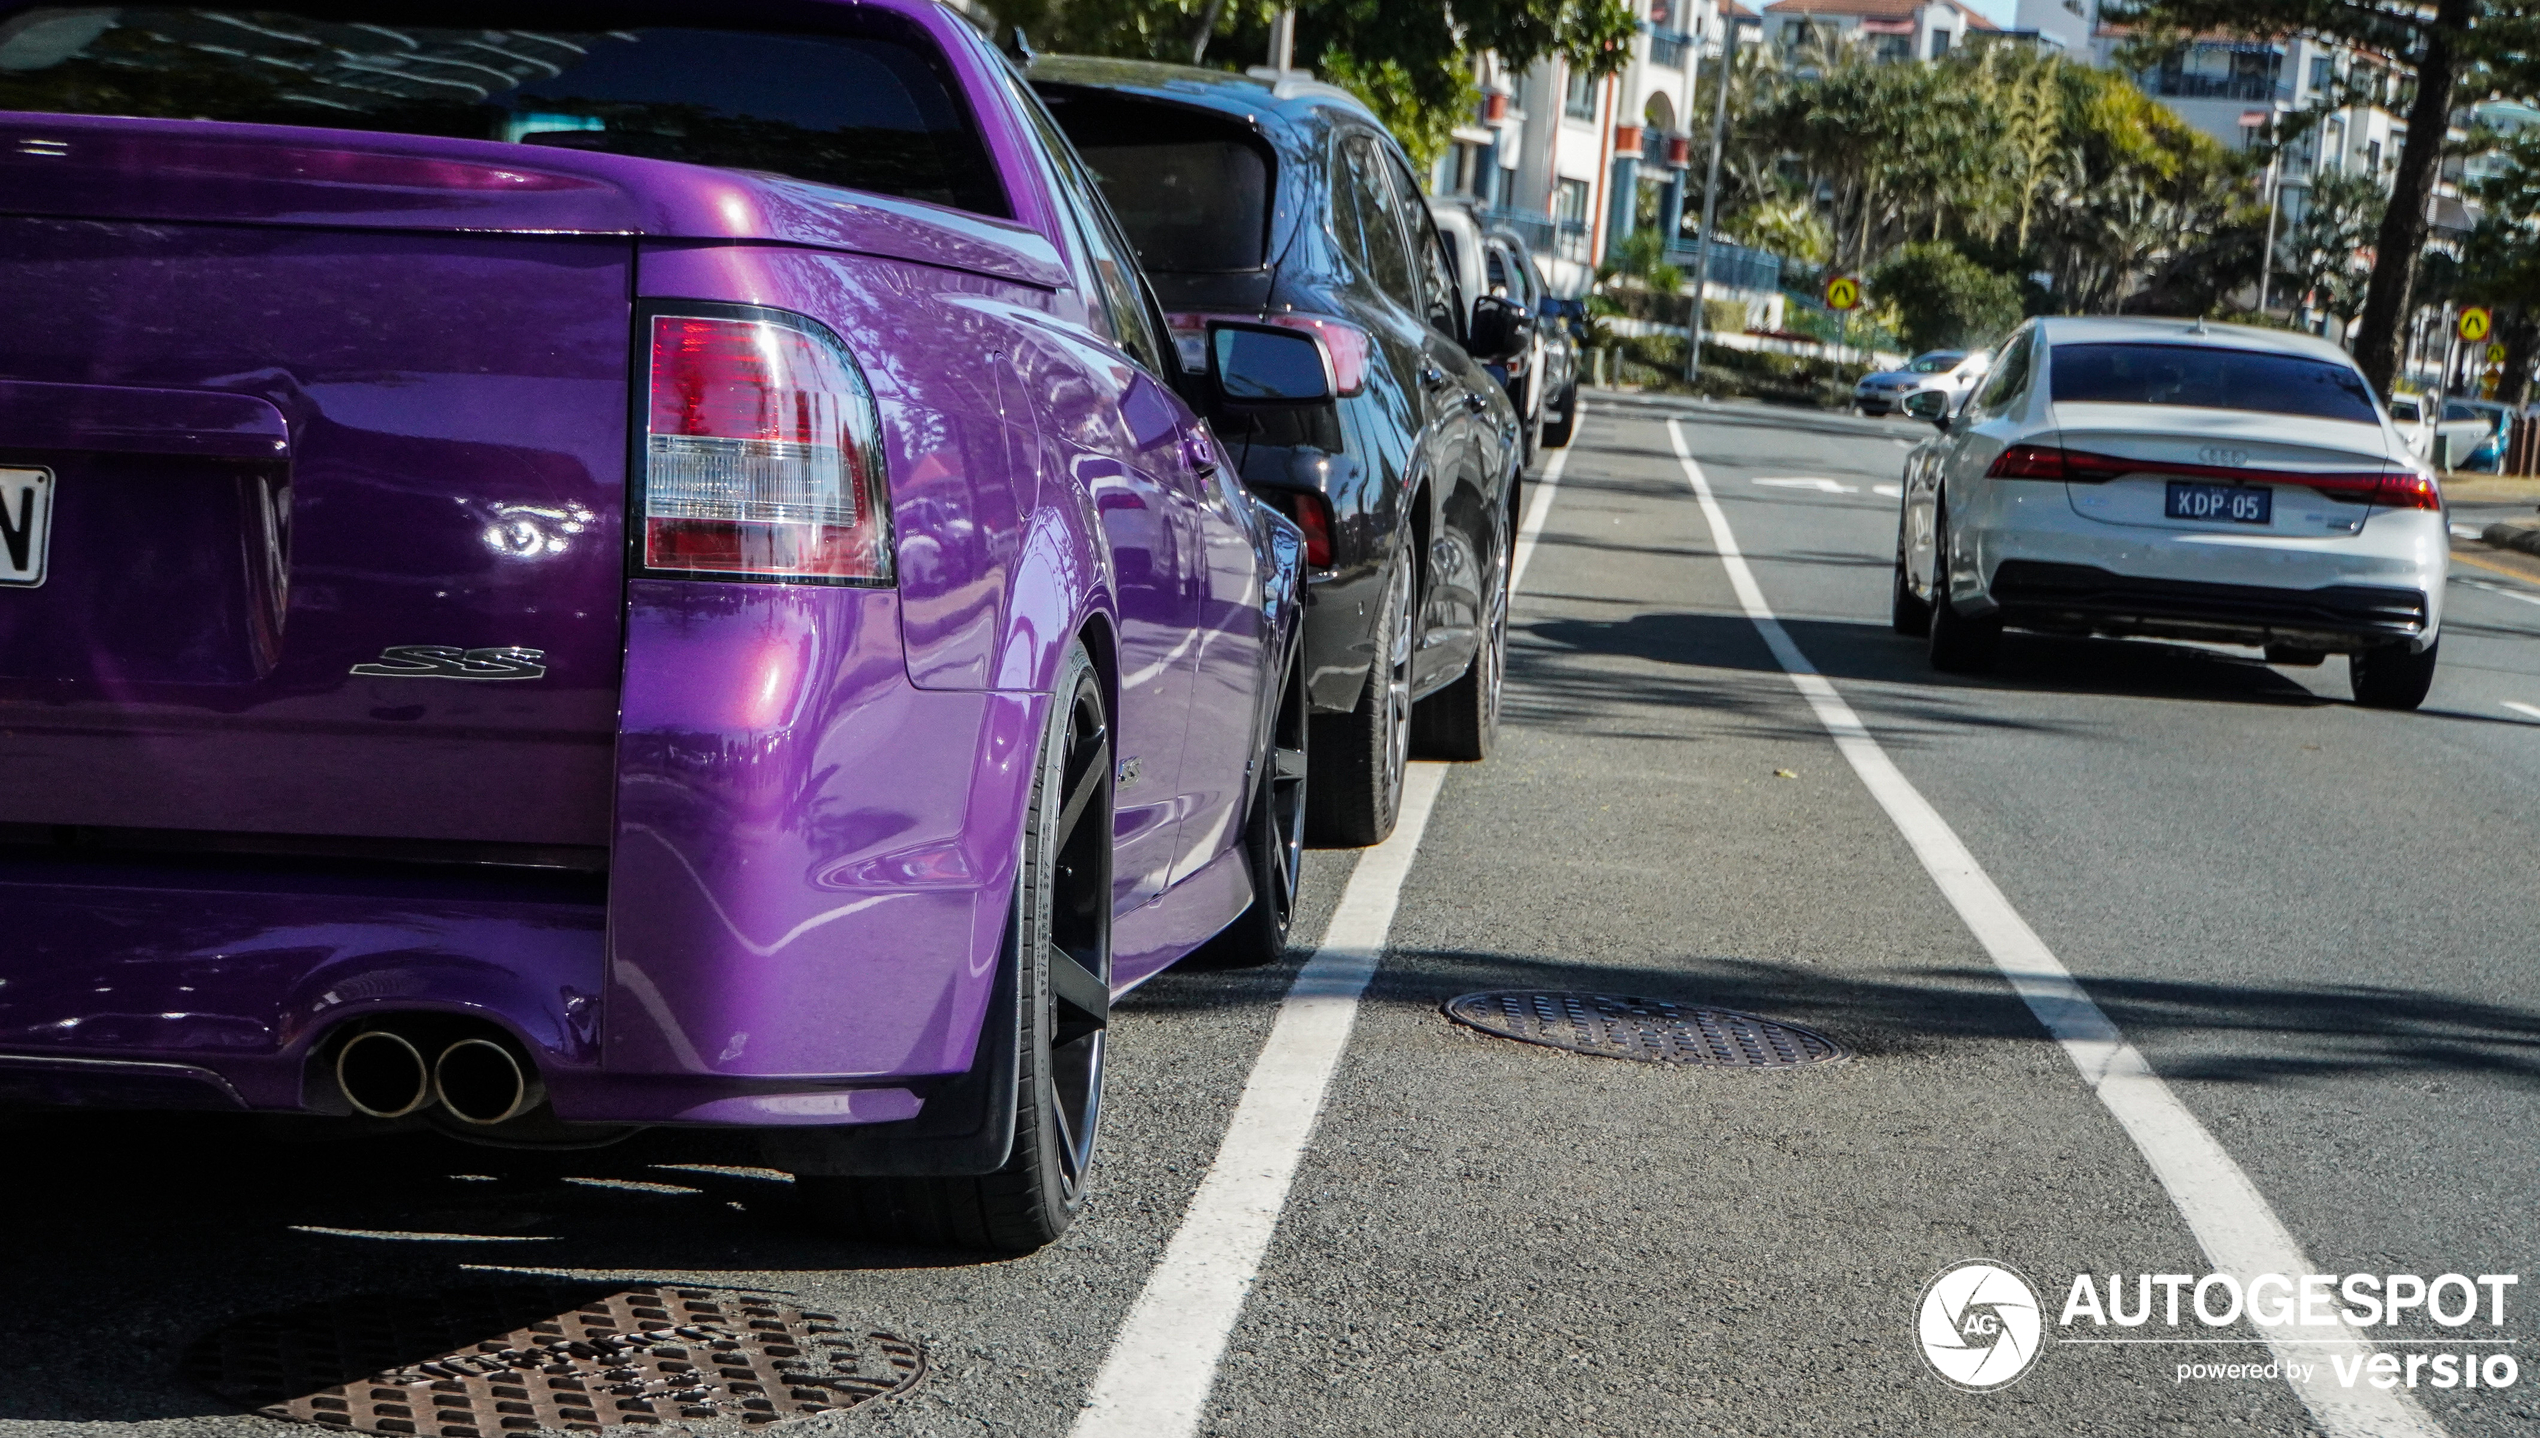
pixel 484 1362
pixel 1650 1030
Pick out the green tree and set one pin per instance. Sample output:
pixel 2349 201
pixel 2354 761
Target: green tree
pixel 1945 300
pixel 1411 62
pixel 2460 50
pixel 2320 251
pixel 2500 263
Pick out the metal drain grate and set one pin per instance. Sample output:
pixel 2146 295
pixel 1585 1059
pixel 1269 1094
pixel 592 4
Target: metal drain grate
pixel 1651 1031
pixel 485 1362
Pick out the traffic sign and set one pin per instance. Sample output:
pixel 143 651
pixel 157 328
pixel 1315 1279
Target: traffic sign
pixel 2496 352
pixel 1843 293
pixel 2476 323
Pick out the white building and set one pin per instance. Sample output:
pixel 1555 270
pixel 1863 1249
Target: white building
pixel 1891 29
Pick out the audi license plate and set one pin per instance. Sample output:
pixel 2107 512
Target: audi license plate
pixel 2239 503
pixel 26 520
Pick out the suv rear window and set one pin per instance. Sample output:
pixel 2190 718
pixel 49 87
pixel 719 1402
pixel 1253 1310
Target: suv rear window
pixel 873 110
pixel 1191 190
pixel 2210 377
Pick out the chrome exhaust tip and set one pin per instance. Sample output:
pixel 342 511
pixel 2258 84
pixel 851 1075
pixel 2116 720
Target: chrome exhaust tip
pixel 482 1082
pixel 382 1074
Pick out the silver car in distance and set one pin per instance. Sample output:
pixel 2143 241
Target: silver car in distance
pixel 2173 479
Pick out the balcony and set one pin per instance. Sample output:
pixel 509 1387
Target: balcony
pixel 1734 266
pixel 1667 48
pixel 2187 85
pixel 1559 239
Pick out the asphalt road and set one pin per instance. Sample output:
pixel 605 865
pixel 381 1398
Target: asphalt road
pixel 2315 922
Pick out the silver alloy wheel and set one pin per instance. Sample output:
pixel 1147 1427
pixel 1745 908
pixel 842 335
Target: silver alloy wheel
pixel 1079 933
pixel 1494 651
pixel 1400 598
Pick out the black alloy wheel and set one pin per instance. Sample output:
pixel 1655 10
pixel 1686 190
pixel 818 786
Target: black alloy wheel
pixel 1908 613
pixel 1358 757
pixel 1556 433
pixel 2390 677
pixel 1060 946
pixel 1959 645
pixel 1461 721
pixel 1273 839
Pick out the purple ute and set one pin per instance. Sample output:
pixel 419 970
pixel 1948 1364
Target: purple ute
pixel 608 566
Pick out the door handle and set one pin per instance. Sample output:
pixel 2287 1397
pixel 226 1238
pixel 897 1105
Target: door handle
pixel 1198 453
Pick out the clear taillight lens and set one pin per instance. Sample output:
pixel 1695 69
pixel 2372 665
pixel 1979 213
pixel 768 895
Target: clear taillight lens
pixel 762 456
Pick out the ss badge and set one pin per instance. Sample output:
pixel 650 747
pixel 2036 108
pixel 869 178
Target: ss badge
pixel 442 661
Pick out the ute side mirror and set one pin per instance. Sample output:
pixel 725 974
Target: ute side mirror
pixel 1501 329
pixel 1929 404
pixel 1272 384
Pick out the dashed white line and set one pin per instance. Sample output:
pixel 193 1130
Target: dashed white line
pixel 1892 491
pixel 1827 485
pixel 2508 591
pixel 2528 711
pixel 2230 1218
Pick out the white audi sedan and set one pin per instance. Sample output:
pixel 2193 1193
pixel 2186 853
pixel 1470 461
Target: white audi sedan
pixel 2173 479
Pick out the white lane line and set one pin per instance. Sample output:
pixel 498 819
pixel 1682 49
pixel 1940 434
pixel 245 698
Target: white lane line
pixel 1162 1363
pixel 2230 1218
pixel 2526 596
pixel 1536 509
pixel 2466 531
pixel 1827 485
pixel 1892 491
pixel 2530 711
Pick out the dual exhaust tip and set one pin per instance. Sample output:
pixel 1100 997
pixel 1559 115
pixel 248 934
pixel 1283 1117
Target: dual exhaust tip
pixel 478 1081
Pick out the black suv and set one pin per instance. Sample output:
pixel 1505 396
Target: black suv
pixel 1289 203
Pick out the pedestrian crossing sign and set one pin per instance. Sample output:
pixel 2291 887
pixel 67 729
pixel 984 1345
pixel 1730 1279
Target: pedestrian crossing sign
pixel 2476 323
pixel 1843 293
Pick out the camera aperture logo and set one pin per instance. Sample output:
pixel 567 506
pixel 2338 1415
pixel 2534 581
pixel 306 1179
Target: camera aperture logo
pixel 1979 1325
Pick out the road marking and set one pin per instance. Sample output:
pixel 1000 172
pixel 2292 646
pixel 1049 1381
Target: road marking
pixel 2524 595
pixel 1536 510
pixel 2528 710
pixel 1156 1378
pixel 1892 491
pixel 1902 443
pixel 2466 531
pixel 2230 1218
pixel 1828 485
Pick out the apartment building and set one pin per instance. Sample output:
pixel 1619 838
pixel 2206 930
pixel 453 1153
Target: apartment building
pixel 1890 29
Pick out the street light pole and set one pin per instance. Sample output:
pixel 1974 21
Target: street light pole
pixel 2275 194
pixel 1710 201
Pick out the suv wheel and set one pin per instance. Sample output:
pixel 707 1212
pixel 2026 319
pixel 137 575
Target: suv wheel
pixel 1461 721
pixel 1358 757
pixel 2390 677
pixel 1557 432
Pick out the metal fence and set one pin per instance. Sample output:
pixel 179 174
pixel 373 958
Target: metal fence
pixel 1735 266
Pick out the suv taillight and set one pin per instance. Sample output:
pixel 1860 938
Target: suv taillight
pixel 762 456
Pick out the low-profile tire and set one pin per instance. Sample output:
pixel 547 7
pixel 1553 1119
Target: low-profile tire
pixel 1358 757
pixel 1461 721
pixel 1907 612
pixel 1959 645
pixel 1273 841
pixel 2390 677
pixel 1059 942
pixel 1556 433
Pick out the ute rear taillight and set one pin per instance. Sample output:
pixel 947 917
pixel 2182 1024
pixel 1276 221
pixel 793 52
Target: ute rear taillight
pixel 762 455
pixel 2392 486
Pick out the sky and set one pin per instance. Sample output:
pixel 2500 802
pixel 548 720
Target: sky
pixel 1997 11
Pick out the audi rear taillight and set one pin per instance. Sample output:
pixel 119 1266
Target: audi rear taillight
pixel 2407 489
pixel 2027 461
pixel 1344 343
pixel 762 455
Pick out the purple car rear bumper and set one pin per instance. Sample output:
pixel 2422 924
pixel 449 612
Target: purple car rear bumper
pixel 811 871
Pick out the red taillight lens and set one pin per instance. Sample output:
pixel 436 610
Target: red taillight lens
pixel 762 456
pixel 1313 514
pixel 2028 461
pixel 1345 343
pixel 2407 489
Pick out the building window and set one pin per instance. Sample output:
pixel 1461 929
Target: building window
pixel 2323 71
pixel 1578 96
pixel 2372 157
pixel 1570 202
pixel 1939 43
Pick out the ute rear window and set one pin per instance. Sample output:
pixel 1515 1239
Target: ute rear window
pixel 875 110
pixel 2210 377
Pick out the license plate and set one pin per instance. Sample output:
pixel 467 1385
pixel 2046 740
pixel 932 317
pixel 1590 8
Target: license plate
pixel 26 523
pixel 2239 503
